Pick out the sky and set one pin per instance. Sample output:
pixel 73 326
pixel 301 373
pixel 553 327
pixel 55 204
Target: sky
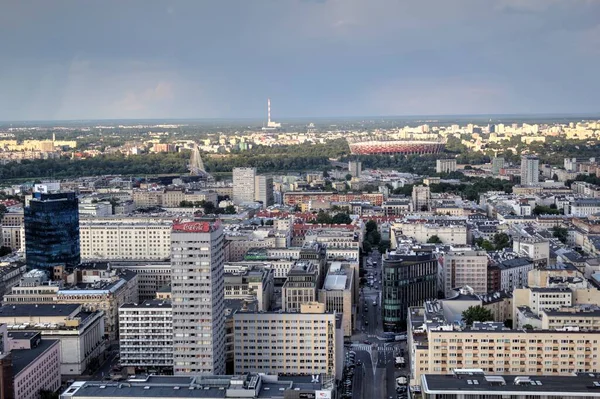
pixel 117 59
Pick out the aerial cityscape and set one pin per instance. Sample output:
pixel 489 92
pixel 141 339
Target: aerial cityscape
pixel 184 214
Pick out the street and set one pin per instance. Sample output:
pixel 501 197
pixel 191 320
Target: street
pixel 378 377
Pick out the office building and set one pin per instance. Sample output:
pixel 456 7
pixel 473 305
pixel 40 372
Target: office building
pixel 409 279
pixel 530 174
pixel 305 342
pixel 247 386
pixel 445 165
pixel 52 231
pixel 81 333
pixel 36 364
pixel 125 238
pixel 463 266
pixel 263 190
pixel 355 168
pixel 197 286
pixel 252 280
pixel 300 286
pixel 421 198
pixel 151 276
pixel 146 336
pixel 243 185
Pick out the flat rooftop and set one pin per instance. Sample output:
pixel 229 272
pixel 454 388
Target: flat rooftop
pixel 21 358
pixel 38 310
pixel 583 384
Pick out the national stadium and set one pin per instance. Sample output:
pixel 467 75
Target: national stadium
pixel 396 147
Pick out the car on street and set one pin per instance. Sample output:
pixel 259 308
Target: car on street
pixel 367 342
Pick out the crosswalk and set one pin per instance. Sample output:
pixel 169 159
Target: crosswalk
pixel 371 348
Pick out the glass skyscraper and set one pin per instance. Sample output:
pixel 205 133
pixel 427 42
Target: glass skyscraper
pixel 52 231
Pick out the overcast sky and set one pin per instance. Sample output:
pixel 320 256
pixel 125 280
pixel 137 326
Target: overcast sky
pixel 210 59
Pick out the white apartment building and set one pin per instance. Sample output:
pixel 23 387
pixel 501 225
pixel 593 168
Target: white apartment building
pixel 460 267
pixel 197 287
pixel 536 249
pixel 306 342
pixel 263 190
pixel 530 173
pixel 125 238
pixel 452 233
pixel 243 185
pixel 584 207
pixel 146 335
pixel 445 165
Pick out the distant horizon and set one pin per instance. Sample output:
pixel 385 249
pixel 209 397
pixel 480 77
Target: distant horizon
pixel 282 119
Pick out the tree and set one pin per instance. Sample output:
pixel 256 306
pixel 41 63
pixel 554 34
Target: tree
pixel 544 210
pixel 374 237
pixel 371 226
pixel 5 251
pixel 434 239
pixel 561 233
pixel 341 218
pixel 528 327
pixel 476 313
pixel 2 211
pixel 383 246
pixel 269 222
pixel 230 210
pixel 323 217
pixel 501 241
pixel 367 248
pixel 47 394
pixel 348 177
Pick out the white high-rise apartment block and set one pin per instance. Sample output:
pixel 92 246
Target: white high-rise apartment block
pixel 460 267
pixel 530 165
pixel 263 190
pixel 445 165
pixel 140 324
pixel 197 288
pixel 243 185
pixel 125 238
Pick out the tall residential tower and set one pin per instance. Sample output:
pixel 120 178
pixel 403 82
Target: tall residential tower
pixel 530 170
pixel 197 287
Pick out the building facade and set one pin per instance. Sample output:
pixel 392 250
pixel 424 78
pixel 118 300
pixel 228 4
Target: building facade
pixel 197 286
pixel 445 165
pixel 243 185
pixel 530 173
pixel 302 342
pixel 146 340
pixel 52 231
pixel 263 190
pixel 124 238
pixel 458 268
pixel 409 279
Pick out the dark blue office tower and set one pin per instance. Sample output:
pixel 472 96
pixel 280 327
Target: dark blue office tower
pixel 52 231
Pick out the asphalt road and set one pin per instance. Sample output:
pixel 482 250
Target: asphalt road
pixel 378 357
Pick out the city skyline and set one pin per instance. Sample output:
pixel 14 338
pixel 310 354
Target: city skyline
pixel 312 58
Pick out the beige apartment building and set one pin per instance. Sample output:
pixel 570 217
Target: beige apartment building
pixel 307 342
pixel 462 266
pixel 125 238
pixel 438 347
